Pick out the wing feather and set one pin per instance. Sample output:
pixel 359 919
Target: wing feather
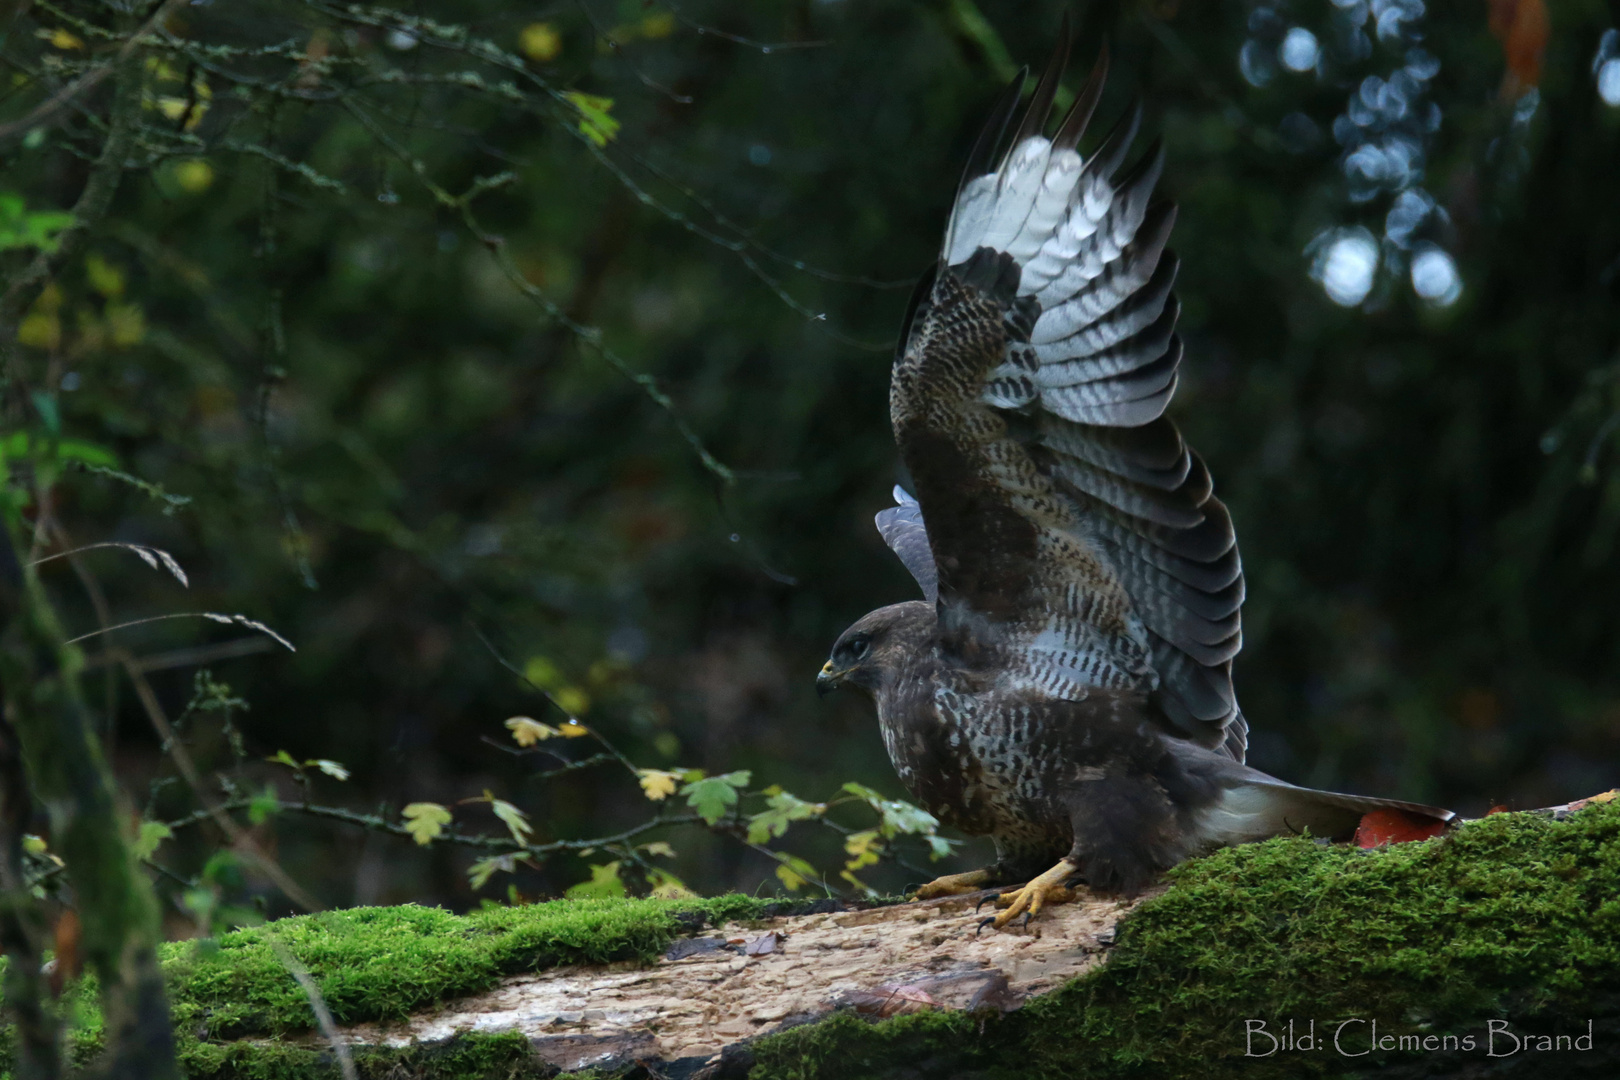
pixel 1073 538
pixel 902 528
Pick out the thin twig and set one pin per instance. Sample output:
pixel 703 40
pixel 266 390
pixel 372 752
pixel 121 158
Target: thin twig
pixel 703 30
pixel 317 1004
pixel 90 79
pixel 377 823
pixel 188 769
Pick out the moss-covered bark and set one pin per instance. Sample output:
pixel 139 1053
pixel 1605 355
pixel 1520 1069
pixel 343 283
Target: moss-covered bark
pixel 1512 919
pixel 1515 918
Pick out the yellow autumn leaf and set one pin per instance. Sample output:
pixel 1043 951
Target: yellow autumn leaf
pixel 659 847
pixel 526 731
pixel 105 277
pixel 127 322
pixel 793 872
pixel 63 39
pixel 425 821
pixel 863 848
pixel 194 176
pixel 516 821
pixel 40 329
pixel 657 784
pixel 540 41
pixel 666 886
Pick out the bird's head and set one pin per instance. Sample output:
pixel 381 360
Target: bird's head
pixel 879 644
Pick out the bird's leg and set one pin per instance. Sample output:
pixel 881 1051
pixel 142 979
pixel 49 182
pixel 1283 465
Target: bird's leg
pixel 955 884
pixel 1049 888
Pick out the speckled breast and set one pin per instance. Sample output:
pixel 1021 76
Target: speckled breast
pixel 972 763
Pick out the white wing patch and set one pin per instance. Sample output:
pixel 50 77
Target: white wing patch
pixel 1122 507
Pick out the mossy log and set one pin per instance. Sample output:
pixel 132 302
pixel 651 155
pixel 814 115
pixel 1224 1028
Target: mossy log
pixel 1492 951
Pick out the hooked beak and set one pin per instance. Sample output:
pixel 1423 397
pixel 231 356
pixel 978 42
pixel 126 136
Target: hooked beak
pixel 829 680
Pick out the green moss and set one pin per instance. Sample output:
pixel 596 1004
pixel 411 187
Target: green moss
pixel 506 1057
pixel 383 963
pixel 380 964
pixel 1515 916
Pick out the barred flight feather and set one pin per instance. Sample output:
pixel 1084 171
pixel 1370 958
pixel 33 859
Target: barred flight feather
pixel 1070 532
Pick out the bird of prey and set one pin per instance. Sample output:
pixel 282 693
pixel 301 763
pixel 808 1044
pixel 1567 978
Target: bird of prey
pixel 1066 688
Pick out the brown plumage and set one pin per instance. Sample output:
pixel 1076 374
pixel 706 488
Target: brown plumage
pixel 1066 688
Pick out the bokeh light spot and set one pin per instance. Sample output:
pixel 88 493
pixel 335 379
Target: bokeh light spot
pixel 1345 264
pixel 1435 277
pixel 1608 82
pixel 1299 50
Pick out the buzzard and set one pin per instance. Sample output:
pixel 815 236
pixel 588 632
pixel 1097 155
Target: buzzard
pixel 1066 688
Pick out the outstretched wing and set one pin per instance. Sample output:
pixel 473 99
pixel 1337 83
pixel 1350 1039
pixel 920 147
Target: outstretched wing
pixel 1076 537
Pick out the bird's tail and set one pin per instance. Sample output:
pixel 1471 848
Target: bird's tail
pixel 1260 807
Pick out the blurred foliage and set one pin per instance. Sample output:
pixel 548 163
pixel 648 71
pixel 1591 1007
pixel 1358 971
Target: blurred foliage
pixel 406 347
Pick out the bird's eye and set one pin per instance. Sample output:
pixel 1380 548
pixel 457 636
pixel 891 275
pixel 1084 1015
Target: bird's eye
pixel 859 647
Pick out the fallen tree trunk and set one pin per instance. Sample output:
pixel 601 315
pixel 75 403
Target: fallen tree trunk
pixel 1492 951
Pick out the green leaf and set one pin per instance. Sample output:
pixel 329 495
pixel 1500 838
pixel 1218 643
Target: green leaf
pixel 604 884
pixel 330 768
pixel 713 796
pixel 425 821
pixel 151 835
pixel 21 229
pixel 517 822
pixel 783 808
pixel 49 413
pixel 281 757
pixel 595 123
pixel 479 873
pixel 264 805
pixel 85 453
pixel 897 815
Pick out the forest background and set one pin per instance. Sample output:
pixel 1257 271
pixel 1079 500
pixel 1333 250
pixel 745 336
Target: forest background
pixel 524 368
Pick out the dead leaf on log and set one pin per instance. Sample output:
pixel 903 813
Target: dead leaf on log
pixel 1391 826
pixel 765 943
pixel 685 947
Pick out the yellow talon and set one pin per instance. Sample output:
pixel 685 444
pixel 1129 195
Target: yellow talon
pixel 1048 888
pixel 954 885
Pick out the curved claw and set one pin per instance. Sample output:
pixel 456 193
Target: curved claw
pixel 984 923
pixel 1027 901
